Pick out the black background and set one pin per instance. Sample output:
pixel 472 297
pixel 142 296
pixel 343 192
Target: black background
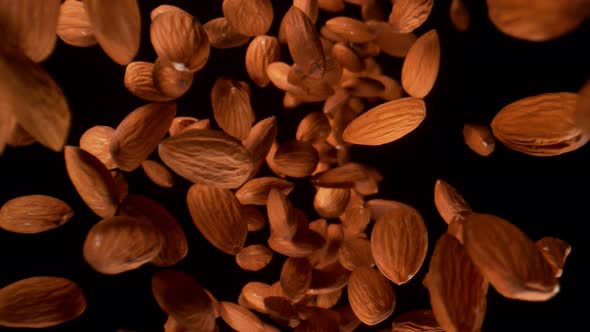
pixel 481 71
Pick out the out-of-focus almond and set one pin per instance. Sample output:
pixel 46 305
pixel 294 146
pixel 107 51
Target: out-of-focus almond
pixel 364 87
pixel 218 216
pixel 254 257
pixel 262 51
pixel 355 252
pixel 281 311
pixel 97 140
pixel 221 35
pixel 459 15
pixel 555 252
pixel 19 136
pixel 170 81
pixel 304 42
pixel 328 300
pixel 352 30
pixel 391 42
pixel 254 293
pixel 421 65
pixel 371 296
pixel 479 139
pixel 34 214
pixel 260 140
pixel 256 191
pixel 332 6
pixel 248 17
pixel 407 15
pixel 182 123
pixel 329 254
pixel 303 244
pixel 356 216
pixel 121 184
pixel 139 80
pixel 283 223
pixel 392 91
pixel 329 279
pixel 253 217
pixel 331 202
pixel 240 318
pixel 232 110
pixel 313 127
pixel 295 158
pixel 347 57
pixel 158 173
pixel 416 321
pixel 449 202
pixel 341 177
pixel 373 10
pixel 296 277
pixel 73 25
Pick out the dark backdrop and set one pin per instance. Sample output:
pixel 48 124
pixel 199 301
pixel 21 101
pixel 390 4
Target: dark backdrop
pixel 482 70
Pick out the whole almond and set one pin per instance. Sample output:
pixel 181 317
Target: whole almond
pixel 179 38
pixel 421 65
pixel 278 73
pixel 232 110
pixel 399 242
pixel 240 318
pixel 416 321
pixel 391 42
pixel 449 202
pixel 117 27
pixel 34 214
pixel 555 252
pixel 248 17
pixel 371 296
pixel 97 140
pixel 303 244
pixel 73 25
pixel 139 133
pixel 218 216
pixel 541 125
pixel 92 181
pixel 313 127
pixel 182 123
pixel 295 158
pixel 456 287
pixel 119 244
pixel 355 252
pixel 387 122
pixel 342 176
pixel 352 30
pixel 170 81
pixel 158 173
pixel 304 43
pixel 479 139
pixel 332 6
pixel 139 80
pixel 508 258
pixel 256 191
pixel 221 34
pixel 329 279
pixel 183 298
pixel 356 215
pixel 253 217
pixel 40 302
pixel 254 293
pixel 207 156
pixel 281 217
pixel 262 51
pixel 260 140
pixel 254 257
pixel 459 15
pixel 407 15
pixel 121 184
pixel 296 277
pixel 347 58
pixel 174 245
pixel 331 202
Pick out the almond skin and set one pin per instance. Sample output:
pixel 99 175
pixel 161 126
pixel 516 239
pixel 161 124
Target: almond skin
pixel 73 25
pixel 386 123
pixel 207 156
pixel 371 296
pixel 97 140
pixel 232 110
pixel 295 277
pixel 221 34
pixel 421 65
pixel 248 17
pixel 254 258
pixel 331 202
pixel 407 15
pixel 34 214
pixel 139 80
pixel 40 302
pixel 262 51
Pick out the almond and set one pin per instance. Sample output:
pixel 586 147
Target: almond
pixel 329 279
pixel 254 218
pixel 508 259
pixel 371 296
pixel 459 15
pixel 386 123
pixel 356 215
pixel 260 139
pixel 221 34
pixel 117 28
pixel 281 311
pixel 296 277
pixel 182 123
pixel 118 244
pixel 218 216
pixel 254 293
pixel 318 319
pixel 158 173
pixel 304 43
pixel 138 135
pixel 139 80
pixel 278 74
pixel 541 125
pixel 391 42
pixel 331 202
pixel 179 38
pixel 555 252
pixel 399 242
pixel 40 302
pixel 355 252
pixel 19 136
pixel 208 157
pixel 449 202
pixel 121 184
pixel 295 158
pixel 363 87
pixel 329 253
pixel 232 110
pixel 332 6
pixel 256 191
pixel 582 114
pixel 347 58
pixel 34 214
pixel 262 51
pixel 352 30
pixel 313 127
pixel 281 217
pixel 170 81
pixel 92 181
pixel 97 140
pixel 407 15
pixel 73 25
pixel 421 65
pixel 303 244
pixel 456 287
pixel 479 139
pixel 372 10
pixel 416 321
pixel 240 318
pixel 341 177
pixel 248 17
pixel 254 257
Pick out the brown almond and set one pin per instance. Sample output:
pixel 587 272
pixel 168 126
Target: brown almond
pixel 416 321
pixel 259 141
pixel 347 58
pixel 174 243
pixel 508 258
pixel 278 73
pixel 329 300
pixel 456 287
pixel 92 181
pixel 281 311
pixel 232 110
pixel 541 125
pixel 386 123
pixel 262 51
pixel 138 135
pixel 381 207
pixel 73 25
pixel 183 298
pixel 331 202
pixel 253 217
pixel 182 123
pixel 352 30
pixel 19 136
pixel 254 293
pixel 254 257
pixel 392 91
pixel 248 17
pixel 179 38
pixel 391 42
pixel 373 10
pixel 355 252
pixel 303 244
pixel 218 216
pixel 479 139
pixel 34 214
pixel 459 15
pixel 304 43
pixel 281 217
pixel 341 177
pixel 221 34
pixel 371 296
pixel 256 191
pixel 407 15
pixel 449 202
pixel 295 158
pixel 332 6
pixel 173 326
pixel 399 242
pixel 329 279
pixel 318 319
pixel 313 127
pixel 207 156
pixel 555 252
pixel 97 140
pixel 117 27
pixel 40 302
pixel 295 277
pixel 363 87
pixel 365 50
pixel 158 173
pixel 240 318
pixel 139 80
pixel 118 244
pixel 169 80
pixel 356 216
pixel 421 65
pixel 33 98
pixel 121 184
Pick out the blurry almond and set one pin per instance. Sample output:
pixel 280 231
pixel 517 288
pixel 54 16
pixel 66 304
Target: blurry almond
pixel 371 296
pixel 256 191
pixel 34 214
pixel 332 6
pixel 138 135
pixel 218 216
pixel 182 123
pixel 329 300
pixel 355 252
pixel 313 127
pixel 139 80
pixel 281 311
pixel 318 319
pixel 240 318
pixel 329 279
pixel 282 220
pixel 19 136
pixel 347 57
pixel 158 173
pixel 260 139
pixel 555 252
pixel 391 42
pixel 459 15
pixel 232 110
pixel 449 202
pixel 303 244
pixel 170 81
pixel 254 293
pixel 295 158
pixel 304 42
pixel 407 15
pixel 329 254
pixel 373 10
pixel 341 177
pixel 254 257
pixel 348 320
pixel 421 65
pixel 73 25
pixel 296 277
pixel 262 51
pixel 253 217
pixel 117 27
pixel 207 156
pixel 479 139
pixel 121 184
pixel 331 202
pixel 96 140
pixel 366 50
pixel 582 113
pixel 356 215
pixel 352 30
pixel 248 17
pixel 40 302
pixel 364 87
pixel 416 321
pixel 392 91
pixel 221 34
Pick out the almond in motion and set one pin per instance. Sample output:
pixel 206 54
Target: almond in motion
pixel 139 80
pixel 260 139
pixel 332 6
pixel 232 110
pixel 222 35
pixel 158 173
pixel 355 252
pixel 449 202
pixel 295 277
pixel 352 30
pixel 304 43
pixel 331 202
pixel 392 43
pixel 97 140
pixel 347 57
pixel 555 252
pixel 253 217
pixel 170 81
pixel 73 25
pixel 34 214
pixel 459 15
pixel 407 15
pixel 421 65
pixel 371 296
pixel 240 318
pixel 313 127
pixel 479 139
pixel 254 257
pixel 295 158
pixel 256 191
pixel 183 123
pixel 249 18
pixel 262 51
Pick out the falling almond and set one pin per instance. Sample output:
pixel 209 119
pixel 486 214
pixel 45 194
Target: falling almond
pixel 304 43
pixel 295 158
pixel 158 173
pixel 139 80
pixel 391 42
pixel 371 296
pixel 240 318
pixel 256 191
pixel 555 252
pixel 262 51
pixel 331 202
pixel 355 252
pixel 479 139
pixel 232 110
pixel 421 65
pixel 386 123
pixel 34 214
pixel 248 17
pixel 73 25
pixel 222 35
pixel 169 80
pixel 313 127
pixel 96 140
pixel 350 29
pixel 283 223
pixel 459 15
pixel 296 277
pixel 260 140
pixel 407 15
pixel 254 257
pixel 449 202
